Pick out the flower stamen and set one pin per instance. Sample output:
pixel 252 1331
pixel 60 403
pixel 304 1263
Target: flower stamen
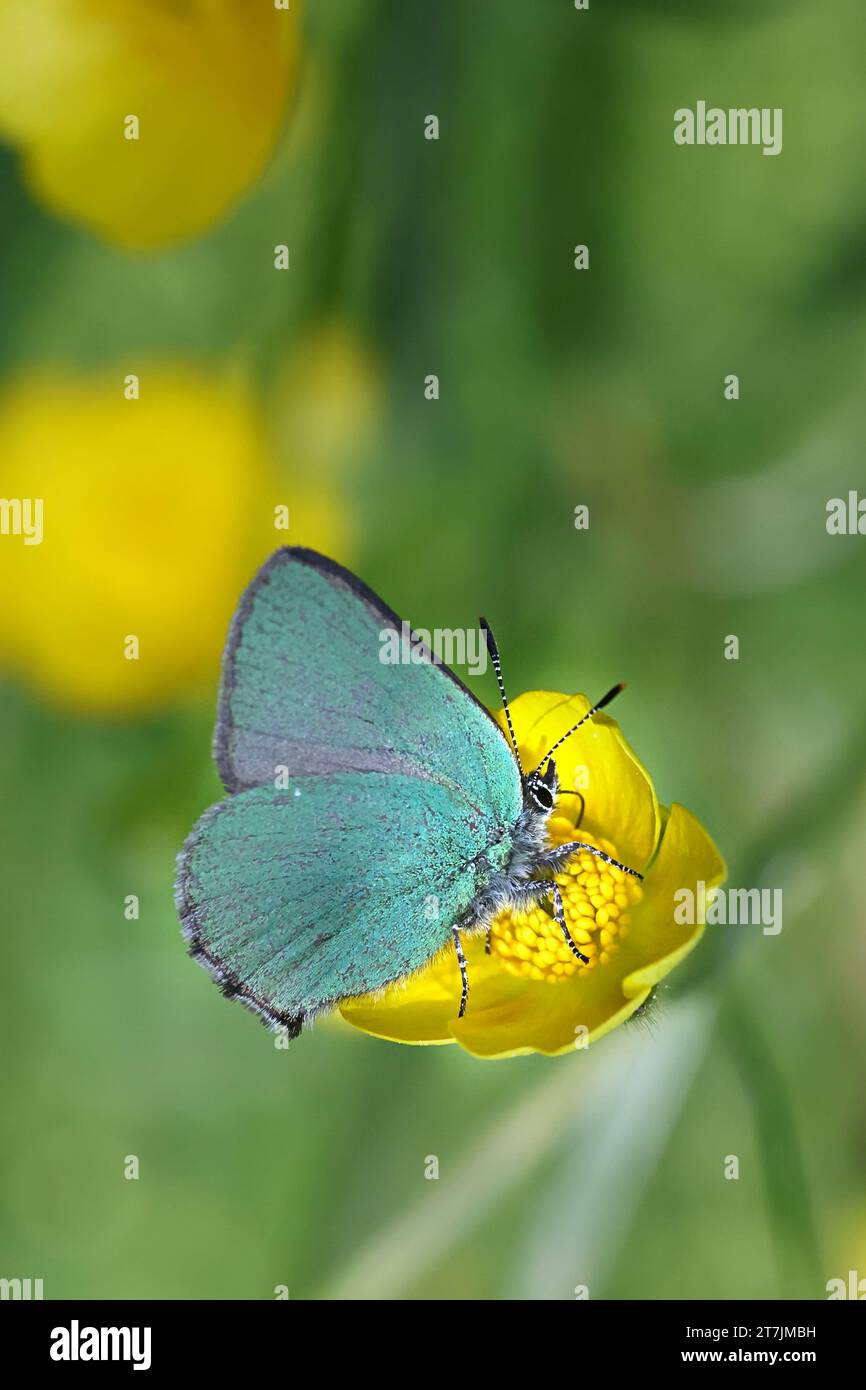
pixel 596 899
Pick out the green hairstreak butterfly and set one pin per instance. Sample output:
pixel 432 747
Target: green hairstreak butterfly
pixel 359 792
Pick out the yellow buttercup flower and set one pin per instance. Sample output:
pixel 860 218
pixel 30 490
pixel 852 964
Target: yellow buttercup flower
pixel 530 994
pixel 145 122
pixel 152 514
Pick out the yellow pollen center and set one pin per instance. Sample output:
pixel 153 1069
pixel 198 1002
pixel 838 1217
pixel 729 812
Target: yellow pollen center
pixel 596 900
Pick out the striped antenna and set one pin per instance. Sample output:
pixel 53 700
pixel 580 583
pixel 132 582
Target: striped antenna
pixel 497 666
pixel 605 700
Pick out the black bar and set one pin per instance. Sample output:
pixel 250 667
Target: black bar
pixel 224 1337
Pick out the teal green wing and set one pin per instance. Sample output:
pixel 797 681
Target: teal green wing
pixel 297 899
pixel 401 795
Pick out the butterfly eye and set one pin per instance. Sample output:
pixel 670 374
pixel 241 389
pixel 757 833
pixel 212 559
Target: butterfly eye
pixel 541 795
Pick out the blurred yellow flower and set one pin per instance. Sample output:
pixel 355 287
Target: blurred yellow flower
pixel 153 512
pixel 530 994
pixel 146 121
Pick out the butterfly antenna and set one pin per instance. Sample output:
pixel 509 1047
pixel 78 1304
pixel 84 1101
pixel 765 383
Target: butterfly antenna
pixel 605 700
pixel 497 666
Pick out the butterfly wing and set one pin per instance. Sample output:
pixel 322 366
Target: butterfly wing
pixel 402 794
pixel 296 899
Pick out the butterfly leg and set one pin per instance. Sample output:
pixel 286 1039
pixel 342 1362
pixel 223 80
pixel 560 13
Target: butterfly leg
pixel 557 858
pixel 559 914
pixel 461 961
pixel 487 940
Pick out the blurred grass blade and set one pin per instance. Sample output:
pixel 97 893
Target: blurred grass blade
pixel 594 1090
pixel 393 1261
pixel 586 1210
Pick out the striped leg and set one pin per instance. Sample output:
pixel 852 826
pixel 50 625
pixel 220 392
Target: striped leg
pixel 461 961
pixel 557 858
pixel 559 914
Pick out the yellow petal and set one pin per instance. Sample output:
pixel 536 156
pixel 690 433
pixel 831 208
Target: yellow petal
pixel 423 1008
pixel 208 82
pixel 547 1018
pixel 656 942
pixel 415 1010
pixel 621 803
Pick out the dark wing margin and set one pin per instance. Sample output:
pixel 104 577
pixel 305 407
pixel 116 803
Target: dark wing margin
pixel 229 984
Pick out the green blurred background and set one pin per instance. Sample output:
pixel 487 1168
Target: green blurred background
pixel 305 1167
